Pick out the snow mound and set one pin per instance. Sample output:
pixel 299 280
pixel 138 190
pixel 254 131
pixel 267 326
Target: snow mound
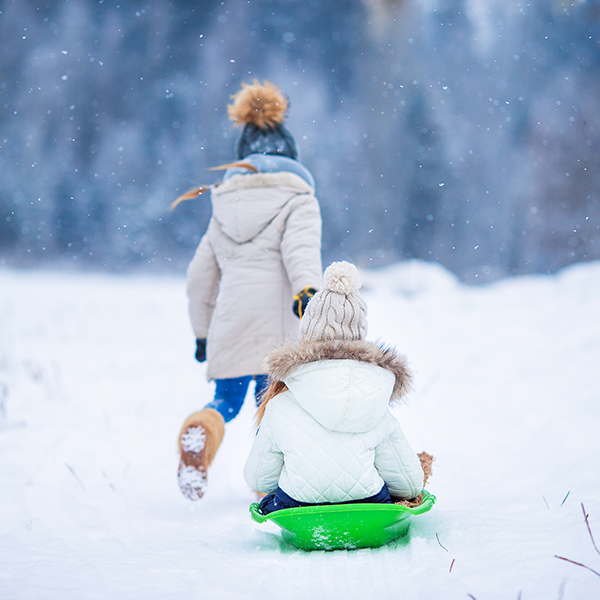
pixel 97 375
pixel 412 278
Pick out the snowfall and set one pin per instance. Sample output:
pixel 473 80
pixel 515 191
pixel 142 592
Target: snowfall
pixel 97 374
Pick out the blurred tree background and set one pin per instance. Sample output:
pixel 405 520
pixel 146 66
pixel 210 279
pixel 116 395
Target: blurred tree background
pixel 460 131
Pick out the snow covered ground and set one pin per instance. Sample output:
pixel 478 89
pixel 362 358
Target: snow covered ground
pixel 97 373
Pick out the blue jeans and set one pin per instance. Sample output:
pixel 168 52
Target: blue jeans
pixel 231 393
pixel 280 500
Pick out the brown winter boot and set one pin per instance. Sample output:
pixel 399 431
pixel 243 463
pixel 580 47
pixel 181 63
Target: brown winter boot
pixel 199 440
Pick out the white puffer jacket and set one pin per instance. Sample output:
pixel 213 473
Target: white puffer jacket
pixel 262 246
pixel 330 437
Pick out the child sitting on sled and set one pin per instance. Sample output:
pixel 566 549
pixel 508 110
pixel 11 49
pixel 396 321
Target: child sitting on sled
pixel 326 434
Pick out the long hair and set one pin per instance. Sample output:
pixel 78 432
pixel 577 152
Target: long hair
pixel 202 189
pixel 275 388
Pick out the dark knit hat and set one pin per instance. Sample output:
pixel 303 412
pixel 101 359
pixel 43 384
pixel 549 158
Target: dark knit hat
pixel 272 140
pixel 261 110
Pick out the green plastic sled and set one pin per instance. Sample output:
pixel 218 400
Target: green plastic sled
pixel 343 526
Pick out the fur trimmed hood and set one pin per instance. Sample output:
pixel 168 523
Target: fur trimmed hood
pixel 281 363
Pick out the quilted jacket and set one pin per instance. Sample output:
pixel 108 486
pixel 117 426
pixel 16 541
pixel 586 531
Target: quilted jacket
pixel 262 246
pixel 330 437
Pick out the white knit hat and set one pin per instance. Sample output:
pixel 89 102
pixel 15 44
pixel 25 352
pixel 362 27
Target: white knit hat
pixel 337 312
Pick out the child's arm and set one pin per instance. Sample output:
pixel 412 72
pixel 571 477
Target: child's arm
pixel 203 277
pixel 265 462
pixel 301 244
pixel 397 463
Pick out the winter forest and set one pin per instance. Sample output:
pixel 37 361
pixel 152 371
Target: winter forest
pixel 465 132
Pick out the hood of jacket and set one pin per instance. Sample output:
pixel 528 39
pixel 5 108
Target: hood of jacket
pixel 345 386
pixel 267 163
pixel 244 205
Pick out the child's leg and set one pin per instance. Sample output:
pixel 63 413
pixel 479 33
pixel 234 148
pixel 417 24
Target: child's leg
pixel 229 396
pixel 199 440
pixel 203 431
pixel 278 501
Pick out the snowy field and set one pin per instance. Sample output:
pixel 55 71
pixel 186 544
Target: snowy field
pixel 97 374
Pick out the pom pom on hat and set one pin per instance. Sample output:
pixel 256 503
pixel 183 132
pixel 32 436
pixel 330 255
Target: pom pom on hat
pixel 342 278
pixel 261 110
pixel 261 105
pixel 337 312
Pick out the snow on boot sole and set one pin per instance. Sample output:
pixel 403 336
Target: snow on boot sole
pixel 191 474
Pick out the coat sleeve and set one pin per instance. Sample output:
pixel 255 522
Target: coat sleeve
pixel 265 462
pixel 397 463
pixel 301 244
pixel 203 276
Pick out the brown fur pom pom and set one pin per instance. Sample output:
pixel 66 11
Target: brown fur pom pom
pixel 262 105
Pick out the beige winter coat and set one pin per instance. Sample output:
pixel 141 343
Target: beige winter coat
pixel 262 246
